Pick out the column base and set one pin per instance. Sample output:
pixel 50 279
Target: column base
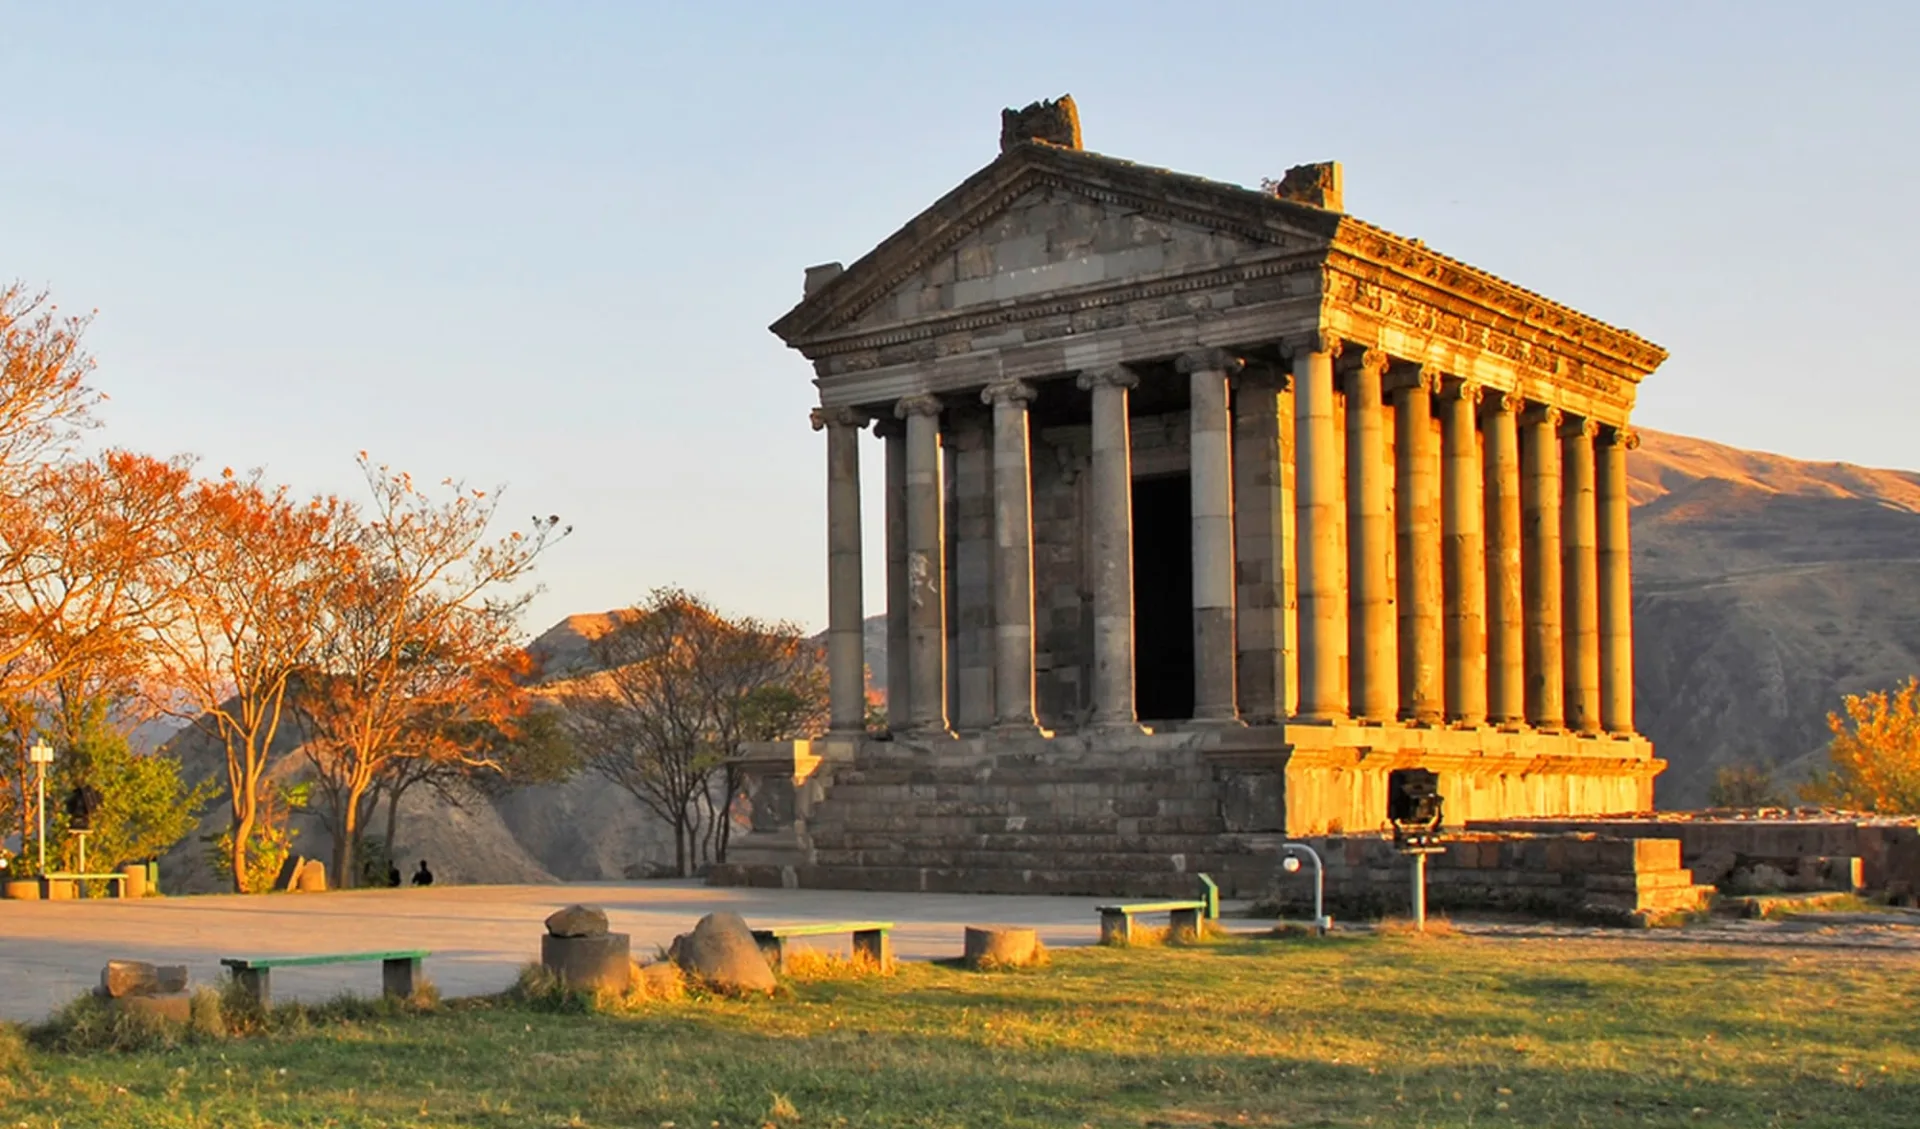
pixel 1219 721
pixel 1114 727
pixel 1018 729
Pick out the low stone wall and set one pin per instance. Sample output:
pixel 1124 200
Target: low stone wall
pixel 1628 881
pixel 1808 849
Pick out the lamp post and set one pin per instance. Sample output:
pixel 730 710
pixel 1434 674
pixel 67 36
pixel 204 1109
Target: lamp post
pixel 1291 864
pixel 41 754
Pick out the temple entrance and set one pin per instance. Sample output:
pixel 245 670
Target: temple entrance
pixel 1163 597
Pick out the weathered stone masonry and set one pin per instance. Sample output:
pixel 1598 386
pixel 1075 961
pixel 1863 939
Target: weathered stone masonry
pixel 1206 507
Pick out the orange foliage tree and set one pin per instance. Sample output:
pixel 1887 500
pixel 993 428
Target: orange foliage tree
pixel 251 581
pixel 416 661
pixel 1875 753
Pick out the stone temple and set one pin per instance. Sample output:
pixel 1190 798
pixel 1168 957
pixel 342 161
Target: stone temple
pixel 1206 507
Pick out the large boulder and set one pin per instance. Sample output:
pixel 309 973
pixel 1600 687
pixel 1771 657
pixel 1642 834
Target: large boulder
pixel 722 953
pixel 577 921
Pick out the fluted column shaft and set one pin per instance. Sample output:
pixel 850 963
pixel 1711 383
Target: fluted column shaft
pixel 1262 422
pixel 1464 556
pixel 899 693
pixel 1012 556
pixel 1417 547
pixel 1541 576
pixel 1111 522
pixel 1320 557
pixel 1616 583
pixel 1580 571
pixel 846 650
pixel 926 568
pixel 1374 675
pixel 1210 478
pixel 1506 607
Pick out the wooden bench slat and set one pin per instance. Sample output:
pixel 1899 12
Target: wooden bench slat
pixel 820 929
pixel 248 963
pixel 1151 907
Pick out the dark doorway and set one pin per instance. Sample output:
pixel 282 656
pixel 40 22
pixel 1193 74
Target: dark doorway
pixel 1163 597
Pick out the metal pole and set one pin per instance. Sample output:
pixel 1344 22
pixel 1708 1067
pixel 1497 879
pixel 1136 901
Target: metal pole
pixel 1420 892
pixel 42 774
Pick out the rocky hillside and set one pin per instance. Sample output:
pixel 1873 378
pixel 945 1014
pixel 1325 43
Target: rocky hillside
pixel 1764 589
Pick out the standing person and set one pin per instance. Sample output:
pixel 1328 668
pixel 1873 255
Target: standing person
pixel 423 876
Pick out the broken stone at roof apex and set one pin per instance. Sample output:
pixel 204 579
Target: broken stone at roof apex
pixel 1317 184
pixel 1055 122
pixel 819 276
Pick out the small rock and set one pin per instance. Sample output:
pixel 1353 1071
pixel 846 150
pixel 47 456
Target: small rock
pixel 311 877
pixel 577 921
pixel 124 978
pixel 1713 867
pixel 722 952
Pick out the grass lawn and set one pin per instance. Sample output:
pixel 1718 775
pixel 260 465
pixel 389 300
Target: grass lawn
pixel 1383 1031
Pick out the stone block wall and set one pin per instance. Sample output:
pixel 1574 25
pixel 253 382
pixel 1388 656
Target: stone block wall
pixel 1591 877
pixel 1720 845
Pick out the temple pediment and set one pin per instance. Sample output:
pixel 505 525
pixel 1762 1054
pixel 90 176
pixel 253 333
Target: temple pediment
pixel 1043 221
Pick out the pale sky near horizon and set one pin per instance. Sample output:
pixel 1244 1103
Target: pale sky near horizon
pixel 540 245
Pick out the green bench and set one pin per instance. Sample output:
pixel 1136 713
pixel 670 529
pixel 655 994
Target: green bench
pixel 399 970
pixel 869 939
pixel 1184 916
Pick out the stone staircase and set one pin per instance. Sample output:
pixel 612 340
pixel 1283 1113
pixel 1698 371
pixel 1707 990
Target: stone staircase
pixel 897 819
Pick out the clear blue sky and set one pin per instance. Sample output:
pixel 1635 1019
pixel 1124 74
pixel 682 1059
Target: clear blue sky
pixel 540 245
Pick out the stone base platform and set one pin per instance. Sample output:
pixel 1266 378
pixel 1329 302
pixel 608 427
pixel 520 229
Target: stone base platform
pixel 1134 813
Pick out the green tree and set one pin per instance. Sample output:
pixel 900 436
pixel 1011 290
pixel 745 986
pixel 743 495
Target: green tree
pixel 145 808
pixel 1745 786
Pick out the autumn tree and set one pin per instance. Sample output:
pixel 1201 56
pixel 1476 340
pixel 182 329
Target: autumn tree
pixel 416 660
pixel 251 582
pixel 679 687
pixel 1875 753
pixel 44 397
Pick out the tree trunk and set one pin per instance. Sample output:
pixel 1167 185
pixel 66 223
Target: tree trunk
pixel 393 820
pixel 242 832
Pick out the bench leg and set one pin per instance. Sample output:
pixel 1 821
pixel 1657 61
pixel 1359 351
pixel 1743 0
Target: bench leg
pixel 873 945
pixel 1183 924
pixel 400 977
pixel 1116 928
pixel 256 984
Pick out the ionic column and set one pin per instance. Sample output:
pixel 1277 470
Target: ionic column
pixel 1580 570
pixel 1210 475
pixel 1110 519
pixel 1012 558
pixel 926 569
pixel 846 650
pixel 1616 582
pixel 1464 555
pixel 1319 555
pixel 899 692
pixel 1540 561
pixel 1375 691
pixel 1263 556
pixel 1506 608
pixel 1416 482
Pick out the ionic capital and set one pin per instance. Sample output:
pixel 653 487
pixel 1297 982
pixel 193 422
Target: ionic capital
pixel 1541 414
pixel 1015 393
pixel 1579 427
pixel 922 405
pixel 889 428
pixel 1374 362
pixel 1320 340
pixel 1408 379
pixel 1115 376
pixel 1466 391
pixel 1625 437
pixel 1264 375
pixel 837 417
pixel 1208 360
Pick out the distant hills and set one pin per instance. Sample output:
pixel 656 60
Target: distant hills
pixel 1764 589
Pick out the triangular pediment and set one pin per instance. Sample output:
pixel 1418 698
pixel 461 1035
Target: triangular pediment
pixel 1042 221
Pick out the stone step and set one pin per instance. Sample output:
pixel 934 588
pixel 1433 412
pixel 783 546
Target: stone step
pixel 920 855
pixel 948 880
pixel 831 819
pixel 1059 844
